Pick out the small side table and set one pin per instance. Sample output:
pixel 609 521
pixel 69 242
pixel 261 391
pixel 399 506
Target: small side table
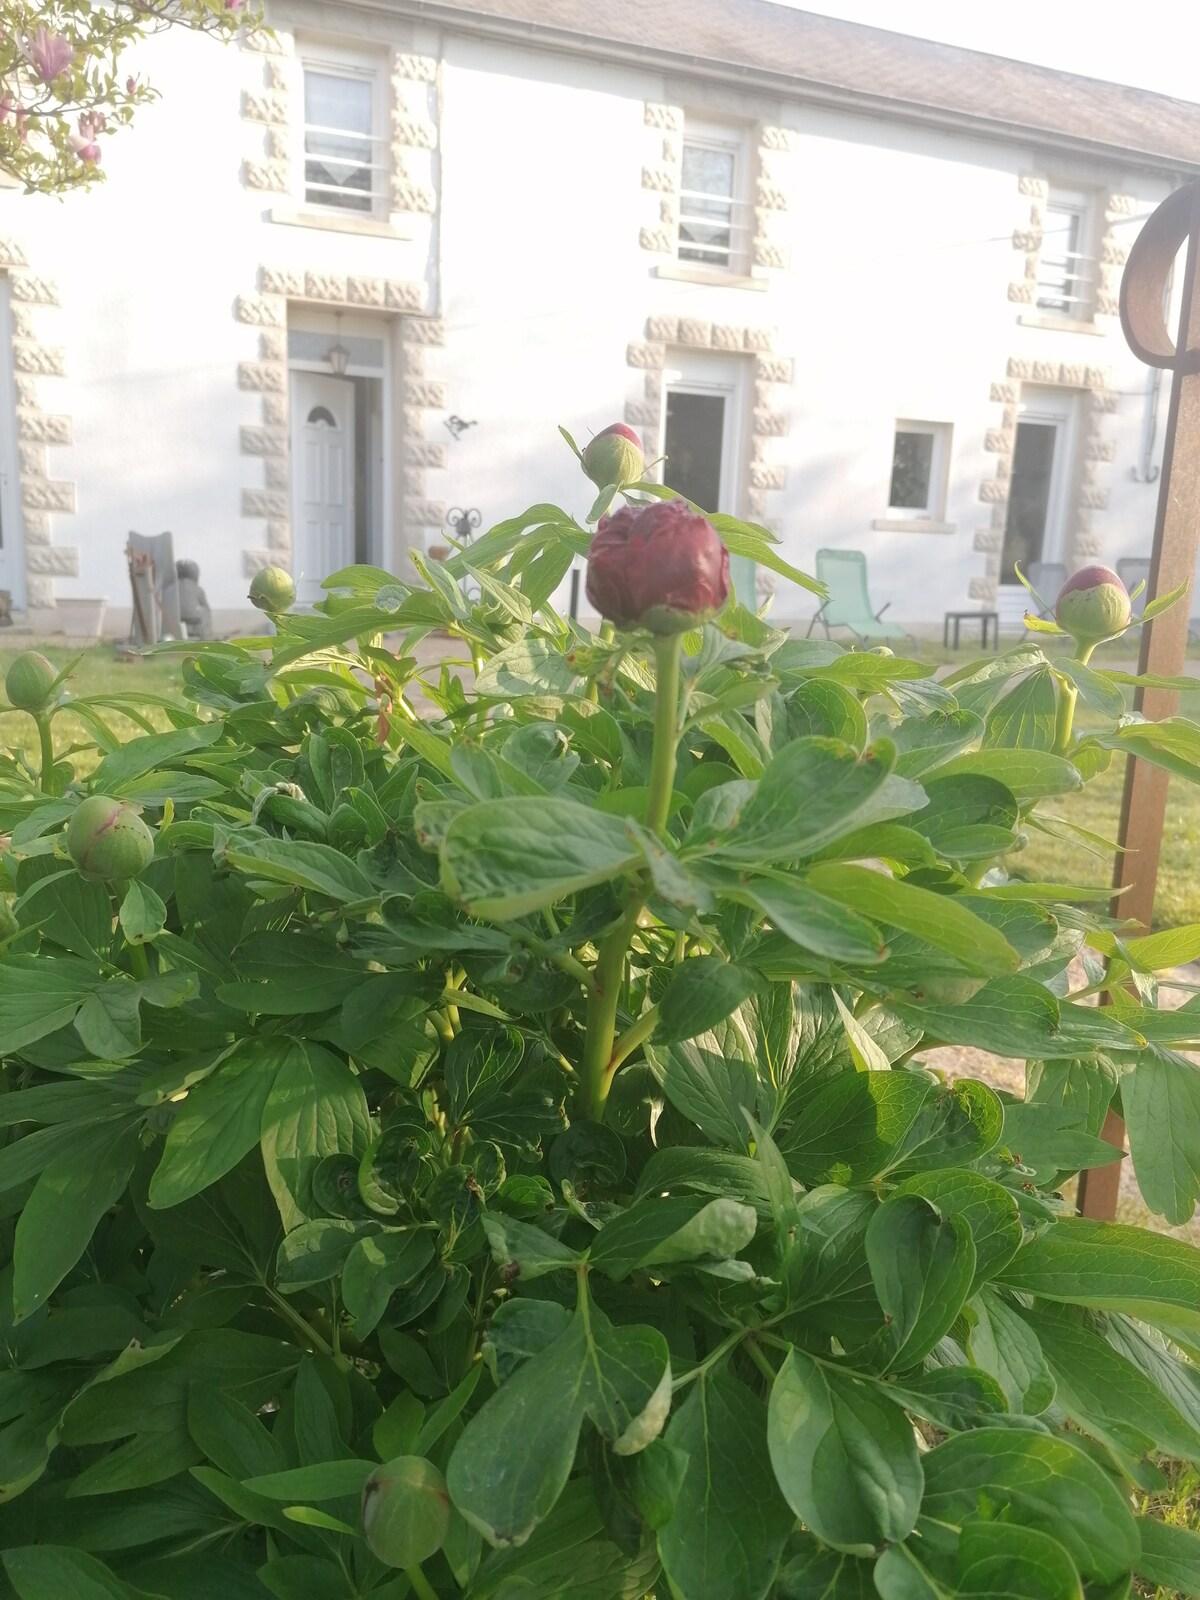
pixel 989 621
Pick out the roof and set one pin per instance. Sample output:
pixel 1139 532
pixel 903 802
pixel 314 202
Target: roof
pixel 830 61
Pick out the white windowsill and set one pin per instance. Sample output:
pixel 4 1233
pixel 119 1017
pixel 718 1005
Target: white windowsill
pixel 1044 319
pixel 331 222
pixel 711 275
pixel 911 525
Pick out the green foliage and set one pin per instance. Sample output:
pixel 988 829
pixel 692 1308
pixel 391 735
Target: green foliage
pixel 430 1177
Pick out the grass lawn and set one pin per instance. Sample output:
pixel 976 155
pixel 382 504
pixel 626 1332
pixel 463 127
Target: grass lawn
pixel 100 671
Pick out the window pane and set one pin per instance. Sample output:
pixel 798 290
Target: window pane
pixel 708 171
pixel 332 101
pixel 1058 267
pixel 694 436
pixel 337 144
pixel 912 471
pixel 704 224
pixel 1028 497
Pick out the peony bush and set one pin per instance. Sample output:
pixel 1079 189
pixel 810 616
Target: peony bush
pixel 471 1131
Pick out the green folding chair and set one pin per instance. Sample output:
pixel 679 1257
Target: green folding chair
pixel 848 604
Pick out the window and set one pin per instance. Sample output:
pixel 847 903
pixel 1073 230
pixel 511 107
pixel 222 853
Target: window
pixel 920 460
pixel 713 210
pixel 1066 266
pixel 343 146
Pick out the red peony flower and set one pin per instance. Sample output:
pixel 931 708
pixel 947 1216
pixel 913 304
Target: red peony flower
pixel 660 567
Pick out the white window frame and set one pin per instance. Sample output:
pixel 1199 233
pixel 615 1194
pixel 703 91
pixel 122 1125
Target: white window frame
pixel 1074 268
pixel 731 139
pixel 939 471
pixel 337 61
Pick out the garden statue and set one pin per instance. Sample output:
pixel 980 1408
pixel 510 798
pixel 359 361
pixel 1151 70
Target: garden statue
pixel 194 611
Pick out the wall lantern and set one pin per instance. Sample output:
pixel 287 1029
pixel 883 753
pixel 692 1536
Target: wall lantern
pixel 337 355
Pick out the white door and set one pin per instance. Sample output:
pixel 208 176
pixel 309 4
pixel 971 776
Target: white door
pixel 703 438
pixel 322 479
pixel 12 559
pixel 1039 495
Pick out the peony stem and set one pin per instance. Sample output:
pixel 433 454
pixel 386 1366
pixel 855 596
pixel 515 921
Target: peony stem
pixel 419 1584
pixel 1069 695
pixel 47 746
pixel 599 1063
pixel 667 651
pixel 632 1038
pixel 595 1067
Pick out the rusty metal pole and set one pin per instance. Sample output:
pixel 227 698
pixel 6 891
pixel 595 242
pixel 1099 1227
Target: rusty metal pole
pixel 1144 287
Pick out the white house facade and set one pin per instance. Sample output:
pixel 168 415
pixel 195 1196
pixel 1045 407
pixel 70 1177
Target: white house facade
pixel 345 281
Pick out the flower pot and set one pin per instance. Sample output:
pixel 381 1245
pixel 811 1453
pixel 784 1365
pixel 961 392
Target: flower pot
pixel 81 619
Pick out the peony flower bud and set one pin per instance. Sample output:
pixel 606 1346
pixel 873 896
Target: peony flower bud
pixel 30 681
pixel 272 590
pixel 660 567
pixel 615 455
pixel 1093 605
pixel 108 841
pixel 405 1511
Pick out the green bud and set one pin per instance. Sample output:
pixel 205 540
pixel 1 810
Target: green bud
pixel 272 590
pixel 108 841
pixel 30 681
pixel 1093 605
pixel 615 455
pixel 405 1511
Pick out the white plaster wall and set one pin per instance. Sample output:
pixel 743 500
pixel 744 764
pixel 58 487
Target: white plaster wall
pixel 544 285
pixel 148 265
pixel 895 305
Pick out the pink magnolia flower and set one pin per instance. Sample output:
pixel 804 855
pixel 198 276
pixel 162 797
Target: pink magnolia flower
pixel 84 143
pixel 49 54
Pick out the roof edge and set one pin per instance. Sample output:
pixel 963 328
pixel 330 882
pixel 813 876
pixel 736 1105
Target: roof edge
pixel 832 96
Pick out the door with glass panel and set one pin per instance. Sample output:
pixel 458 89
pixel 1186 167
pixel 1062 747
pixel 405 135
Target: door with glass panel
pixel 1039 497
pixel 703 437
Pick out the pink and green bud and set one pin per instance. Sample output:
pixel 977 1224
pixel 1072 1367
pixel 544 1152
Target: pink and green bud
pixel 1093 605
pixel 615 455
pixel 272 590
pixel 108 841
pixel 29 681
pixel 661 567
pixel 405 1511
